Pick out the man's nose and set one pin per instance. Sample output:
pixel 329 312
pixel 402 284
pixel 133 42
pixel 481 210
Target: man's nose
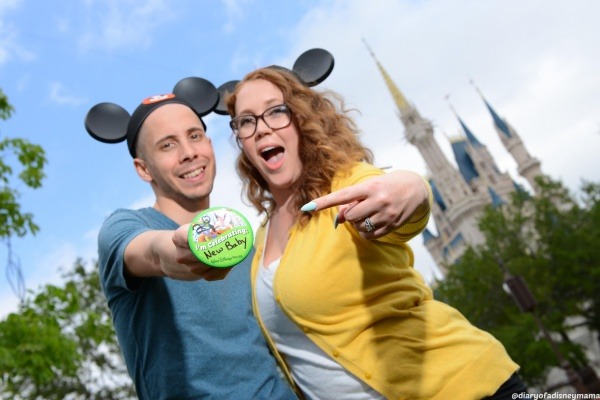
pixel 187 151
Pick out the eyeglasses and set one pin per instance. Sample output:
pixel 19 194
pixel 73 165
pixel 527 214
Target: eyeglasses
pixel 276 117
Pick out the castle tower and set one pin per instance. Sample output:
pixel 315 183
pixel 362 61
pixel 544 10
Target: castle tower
pixel 456 207
pixel 527 166
pixel 477 166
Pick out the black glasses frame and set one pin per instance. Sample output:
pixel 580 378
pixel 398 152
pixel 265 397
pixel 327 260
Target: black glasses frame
pixel 234 121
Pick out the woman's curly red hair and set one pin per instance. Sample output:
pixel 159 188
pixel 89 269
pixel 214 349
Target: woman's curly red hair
pixel 328 141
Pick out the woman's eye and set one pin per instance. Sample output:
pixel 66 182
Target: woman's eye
pixel 245 121
pixel 276 112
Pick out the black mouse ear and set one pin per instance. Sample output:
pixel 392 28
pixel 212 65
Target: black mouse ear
pixel 107 122
pixel 199 93
pixel 314 66
pixel 224 90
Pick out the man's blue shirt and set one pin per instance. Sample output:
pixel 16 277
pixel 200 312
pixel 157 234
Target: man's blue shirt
pixel 184 340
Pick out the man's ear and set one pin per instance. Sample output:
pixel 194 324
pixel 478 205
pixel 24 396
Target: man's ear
pixel 142 169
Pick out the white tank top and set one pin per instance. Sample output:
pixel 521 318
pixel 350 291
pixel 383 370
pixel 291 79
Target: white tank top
pixel 317 374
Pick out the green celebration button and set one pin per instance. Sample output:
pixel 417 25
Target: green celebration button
pixel 220 237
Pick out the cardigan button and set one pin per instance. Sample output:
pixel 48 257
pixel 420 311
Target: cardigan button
pixel 368 375
pixel 336 353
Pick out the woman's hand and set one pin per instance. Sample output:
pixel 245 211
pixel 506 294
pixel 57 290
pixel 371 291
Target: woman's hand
pixel 378 205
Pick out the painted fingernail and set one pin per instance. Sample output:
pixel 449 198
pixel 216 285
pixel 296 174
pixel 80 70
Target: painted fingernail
pixel 335 222
pixel 310 206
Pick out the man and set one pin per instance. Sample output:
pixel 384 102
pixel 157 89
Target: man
pixel 185 332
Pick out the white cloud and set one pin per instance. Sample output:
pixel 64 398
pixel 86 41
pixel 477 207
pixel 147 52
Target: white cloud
pixel 536 63
pixel 59 95
pixel 63 25
pixel 49 271
pixel 118 24
pixel 8 4
pixel 233 12
pixel 146 201
pixel 9 47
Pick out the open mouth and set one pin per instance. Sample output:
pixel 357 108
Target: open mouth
pixel 272 154
pixel 194 173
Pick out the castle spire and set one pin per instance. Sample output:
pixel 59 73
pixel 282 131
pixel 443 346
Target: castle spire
pixel 470 136
pixel 399 98
pixel 476 164
pixel 456 204
pixel 419 132
pixel 499 123
pixel 527 166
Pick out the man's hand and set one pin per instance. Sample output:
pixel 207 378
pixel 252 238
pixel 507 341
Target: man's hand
pixel 187 259
pixel 388 201
pixel 167 253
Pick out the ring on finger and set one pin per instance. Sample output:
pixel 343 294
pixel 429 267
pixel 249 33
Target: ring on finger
pixel 369 225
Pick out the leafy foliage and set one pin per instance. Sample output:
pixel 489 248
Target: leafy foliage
pixel 32 159
pixel 13 221
pixel 551 240
pixel 6 109
pixel 61 344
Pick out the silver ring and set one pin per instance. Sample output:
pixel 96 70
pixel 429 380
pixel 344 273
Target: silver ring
pixel 369 225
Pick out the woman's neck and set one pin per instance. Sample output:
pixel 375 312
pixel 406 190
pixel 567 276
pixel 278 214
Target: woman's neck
pixel 281 220
pixel 284 200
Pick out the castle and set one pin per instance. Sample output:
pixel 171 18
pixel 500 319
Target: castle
pixel 460 195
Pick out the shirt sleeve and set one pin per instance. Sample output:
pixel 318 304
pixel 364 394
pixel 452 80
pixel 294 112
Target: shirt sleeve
pixel 412 229
pixel 117 231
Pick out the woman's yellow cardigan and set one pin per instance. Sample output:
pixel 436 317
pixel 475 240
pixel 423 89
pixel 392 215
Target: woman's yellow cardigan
pixel 362 302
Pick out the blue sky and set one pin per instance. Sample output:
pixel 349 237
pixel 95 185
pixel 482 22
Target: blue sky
pixel 536 62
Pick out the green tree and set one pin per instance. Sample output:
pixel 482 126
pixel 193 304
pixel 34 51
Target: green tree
pixel 61 344
pixel 31 159
pixel 551 240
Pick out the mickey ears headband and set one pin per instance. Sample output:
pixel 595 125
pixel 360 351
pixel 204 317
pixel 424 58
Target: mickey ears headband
pixel 111 123
pixel 311 68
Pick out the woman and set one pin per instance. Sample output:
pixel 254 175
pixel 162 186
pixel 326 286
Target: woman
pixel 347 317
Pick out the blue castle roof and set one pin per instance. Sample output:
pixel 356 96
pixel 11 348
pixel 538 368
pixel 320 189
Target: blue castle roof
pixel 436 195
pixel 464 161
pixel 496 200
pixel 428 236
pixel 499 122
